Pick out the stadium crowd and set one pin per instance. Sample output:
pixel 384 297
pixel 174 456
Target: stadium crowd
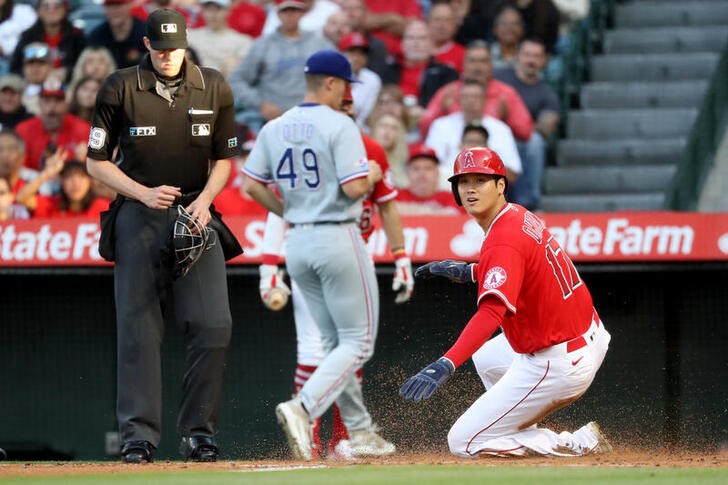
pixel 433 74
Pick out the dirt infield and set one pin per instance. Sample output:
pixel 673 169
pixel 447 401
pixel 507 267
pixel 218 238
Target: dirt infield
pixel 619 458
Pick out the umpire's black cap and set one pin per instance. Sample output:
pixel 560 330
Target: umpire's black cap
pixel 167 29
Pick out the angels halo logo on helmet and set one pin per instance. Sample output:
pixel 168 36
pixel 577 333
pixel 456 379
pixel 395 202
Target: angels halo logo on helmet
pixel 476 160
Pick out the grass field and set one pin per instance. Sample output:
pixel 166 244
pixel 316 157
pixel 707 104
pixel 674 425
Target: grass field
pixel 396 475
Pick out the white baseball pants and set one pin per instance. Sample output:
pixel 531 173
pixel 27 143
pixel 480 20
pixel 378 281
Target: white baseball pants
pixel 522 389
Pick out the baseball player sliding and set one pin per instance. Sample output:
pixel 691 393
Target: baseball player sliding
pixel 552 343
pixel 316 159
pixel 310 349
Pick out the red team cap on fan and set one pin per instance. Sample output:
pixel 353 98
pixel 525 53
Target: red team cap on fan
pixel 478 160
pixel 354 40
pixel 53 88
pixel 420 150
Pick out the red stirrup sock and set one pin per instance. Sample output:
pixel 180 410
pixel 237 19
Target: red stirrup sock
pixel 303 372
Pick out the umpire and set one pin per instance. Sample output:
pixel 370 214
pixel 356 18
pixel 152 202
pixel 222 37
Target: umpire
pixel 173 125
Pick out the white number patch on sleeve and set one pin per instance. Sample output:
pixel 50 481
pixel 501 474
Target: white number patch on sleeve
pixel 97 138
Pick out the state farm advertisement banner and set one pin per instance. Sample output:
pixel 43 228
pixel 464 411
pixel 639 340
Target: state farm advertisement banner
pixel 599 237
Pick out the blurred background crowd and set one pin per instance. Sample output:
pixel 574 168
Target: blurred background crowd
pixel 436 76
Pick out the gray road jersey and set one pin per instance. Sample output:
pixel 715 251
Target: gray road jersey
pixel 308 152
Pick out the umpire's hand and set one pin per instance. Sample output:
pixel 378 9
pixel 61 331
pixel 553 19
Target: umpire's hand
pixel 199 209
pixel 161 197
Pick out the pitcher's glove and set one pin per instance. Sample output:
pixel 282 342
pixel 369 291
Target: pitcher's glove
pixel 273 290
pixel 455 271
pixel 403 283
pixel 423 384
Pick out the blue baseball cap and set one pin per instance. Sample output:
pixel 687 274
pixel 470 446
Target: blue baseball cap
pixel 330 63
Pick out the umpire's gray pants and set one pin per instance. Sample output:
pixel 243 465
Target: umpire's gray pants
pixel 201 309
pixel 331 266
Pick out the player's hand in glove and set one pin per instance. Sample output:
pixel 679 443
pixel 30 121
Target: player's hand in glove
pixel 271 277
pixel 403 283
pixel 455 271
pixel 425 382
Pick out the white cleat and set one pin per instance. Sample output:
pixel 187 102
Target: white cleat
pixel 341 452
pixel 297 425
pixel 603 445
pixel 369 443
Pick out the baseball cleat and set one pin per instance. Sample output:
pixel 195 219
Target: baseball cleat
pixel 297 425
pixel 603 445
pixel 369 443
pixel 341 452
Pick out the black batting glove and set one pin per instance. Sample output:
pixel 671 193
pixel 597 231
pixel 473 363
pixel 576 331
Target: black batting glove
pixel 425 382
pixel 455 271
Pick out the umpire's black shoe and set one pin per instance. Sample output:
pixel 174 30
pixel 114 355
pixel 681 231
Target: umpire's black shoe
pixel 137 452
pixel 199 448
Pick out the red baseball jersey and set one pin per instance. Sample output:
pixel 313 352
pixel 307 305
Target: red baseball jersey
pixel 522 264
pixel 383 190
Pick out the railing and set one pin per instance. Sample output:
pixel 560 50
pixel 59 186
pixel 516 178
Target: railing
pixel 706 134
pixel 584 40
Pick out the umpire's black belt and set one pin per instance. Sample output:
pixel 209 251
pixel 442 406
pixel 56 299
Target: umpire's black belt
pixel 184 200
pixel 323 223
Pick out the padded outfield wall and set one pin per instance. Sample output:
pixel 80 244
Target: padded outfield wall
pixel 663 381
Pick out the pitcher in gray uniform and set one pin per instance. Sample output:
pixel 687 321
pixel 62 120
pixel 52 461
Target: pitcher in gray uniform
pixel 315 157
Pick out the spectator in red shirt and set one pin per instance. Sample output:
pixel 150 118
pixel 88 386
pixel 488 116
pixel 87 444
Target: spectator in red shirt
pixel 502 101
pixel 418 75
pixel 443 26
pixel 76 199
pixel 232 200
pixel 387 20
pixel 53 128
pixel 423 196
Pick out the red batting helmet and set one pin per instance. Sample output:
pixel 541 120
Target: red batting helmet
pixel 476 160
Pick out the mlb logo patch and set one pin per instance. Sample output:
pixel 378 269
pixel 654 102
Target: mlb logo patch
pixel 201 129
pixel 169 28
pixel 233 142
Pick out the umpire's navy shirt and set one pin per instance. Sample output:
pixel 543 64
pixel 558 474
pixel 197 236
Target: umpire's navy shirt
pixel 163 143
